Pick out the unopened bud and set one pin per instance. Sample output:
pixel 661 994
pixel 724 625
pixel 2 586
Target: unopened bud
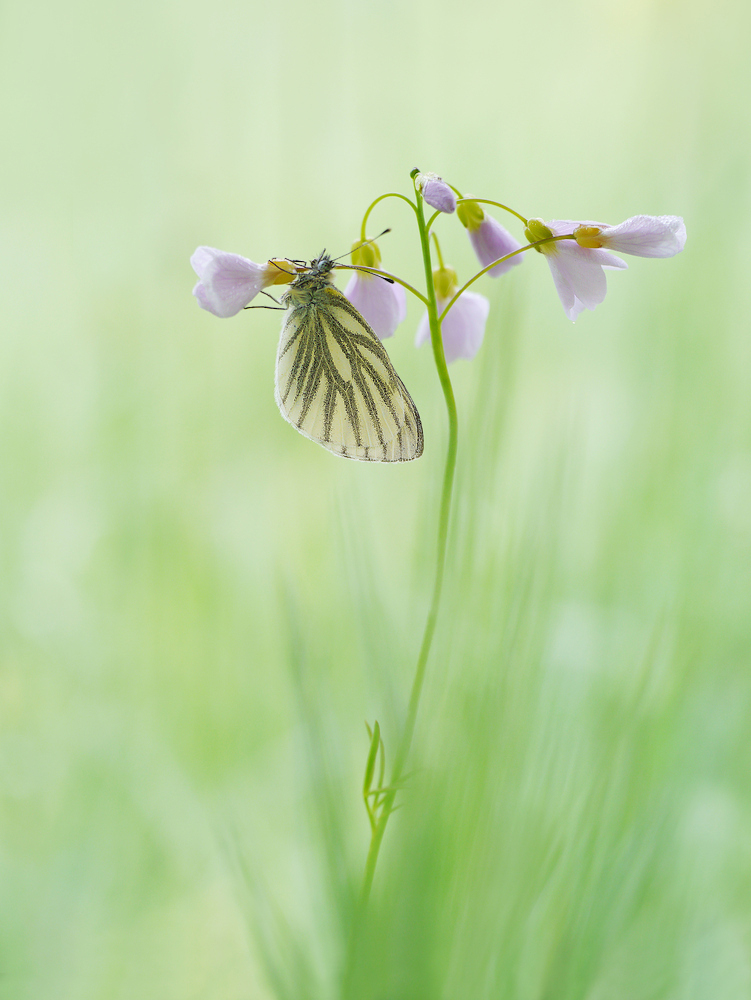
pixel 537 230
pixel 445 281
pixel 366 254
pixel 470 215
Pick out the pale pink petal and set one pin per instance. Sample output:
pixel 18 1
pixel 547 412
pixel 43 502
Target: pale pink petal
pixel 201 258
pixel 602 257
pixel 228 281
pixel 490 241
pixel 383 304
pixel 200 293
pixel 463 328
pixel 647 236
pixel 579 278
pixel 423 330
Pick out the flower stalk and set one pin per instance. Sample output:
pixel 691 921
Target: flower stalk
pixel 334 338
pixel 405 743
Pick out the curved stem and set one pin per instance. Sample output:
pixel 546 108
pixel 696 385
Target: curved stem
pixel 465 286
pixel 486 201
pixel 385 274
pixel 432 219
pixel 390 194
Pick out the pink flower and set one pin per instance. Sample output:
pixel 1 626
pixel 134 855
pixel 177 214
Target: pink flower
pixel 489 238
pixel 578 265
pixel 229 281
pixel 463 327
pixel 436 192
pixel 383 304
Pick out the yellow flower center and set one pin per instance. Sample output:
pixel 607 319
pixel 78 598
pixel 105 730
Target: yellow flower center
pixel 588 236
pixel 280 272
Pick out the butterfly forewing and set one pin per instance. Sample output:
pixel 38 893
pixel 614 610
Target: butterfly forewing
pixel 336 384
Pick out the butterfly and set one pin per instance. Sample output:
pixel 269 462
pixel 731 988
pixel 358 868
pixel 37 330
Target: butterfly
pixel 334 380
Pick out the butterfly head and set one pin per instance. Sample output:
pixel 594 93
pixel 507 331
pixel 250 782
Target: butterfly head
pixel 312 279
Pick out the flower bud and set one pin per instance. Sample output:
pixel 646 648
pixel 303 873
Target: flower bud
pixel 470 215
pixel 366 254
pixel 436 192
pixel 537 230
pixel 445 282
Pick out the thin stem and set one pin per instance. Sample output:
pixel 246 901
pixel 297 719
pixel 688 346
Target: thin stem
pixel 432 219
pixel 385 274
pixel 390 194
pixel 443 524
pixel 537 243
pixel 486 201
pixel 438 250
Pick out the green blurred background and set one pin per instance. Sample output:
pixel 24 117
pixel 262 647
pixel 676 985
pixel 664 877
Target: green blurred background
pixel 200 607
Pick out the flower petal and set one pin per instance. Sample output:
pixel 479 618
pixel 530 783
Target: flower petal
pixel 228 281
pixel 490 241
pixel 578 276
pixel 200 293
pixel 647 236
pixel 384 305
pixel 463 328
pixel 423 330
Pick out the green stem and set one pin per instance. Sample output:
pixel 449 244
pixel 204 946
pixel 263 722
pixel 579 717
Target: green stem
pixel 465 286
pixel 438 250
pixel 390 194
pixel 486 201
pixel 443 525
pixel 432 219
pixel 385 274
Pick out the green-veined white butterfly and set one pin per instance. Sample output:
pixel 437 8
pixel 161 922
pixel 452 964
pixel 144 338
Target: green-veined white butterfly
pixel 334 380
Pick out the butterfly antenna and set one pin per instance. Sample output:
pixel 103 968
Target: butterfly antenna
pixel 363 244
pixel 297 263
pixel 356 267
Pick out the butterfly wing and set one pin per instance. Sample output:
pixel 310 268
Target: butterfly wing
pixel 336 384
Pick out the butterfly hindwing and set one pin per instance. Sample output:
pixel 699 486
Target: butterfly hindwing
pixel 336 384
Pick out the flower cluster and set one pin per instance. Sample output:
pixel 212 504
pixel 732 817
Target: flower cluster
pixel 578 253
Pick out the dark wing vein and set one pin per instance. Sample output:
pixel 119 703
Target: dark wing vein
pixel 338 386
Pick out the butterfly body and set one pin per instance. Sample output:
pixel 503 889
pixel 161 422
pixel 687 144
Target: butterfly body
pixel 334 380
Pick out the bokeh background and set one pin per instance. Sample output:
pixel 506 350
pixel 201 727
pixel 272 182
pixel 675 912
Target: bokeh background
pixel 200 608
